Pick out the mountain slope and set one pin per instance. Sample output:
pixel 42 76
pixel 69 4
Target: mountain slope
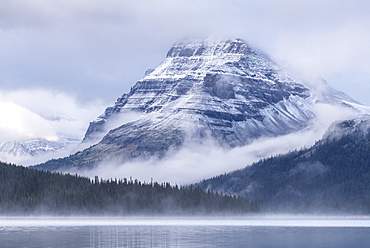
pixel 333 175
pixel 223 91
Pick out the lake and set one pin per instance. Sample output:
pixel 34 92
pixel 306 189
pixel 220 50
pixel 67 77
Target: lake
pixel 246 231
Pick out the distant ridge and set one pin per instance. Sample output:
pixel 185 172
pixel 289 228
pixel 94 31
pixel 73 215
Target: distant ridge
pixel 331 177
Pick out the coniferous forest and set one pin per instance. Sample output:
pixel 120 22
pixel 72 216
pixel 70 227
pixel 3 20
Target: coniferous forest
pixel 333 176
pixel 26 191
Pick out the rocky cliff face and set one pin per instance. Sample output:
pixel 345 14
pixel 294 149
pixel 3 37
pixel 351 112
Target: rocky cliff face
pixel 225 91
pixel 228 89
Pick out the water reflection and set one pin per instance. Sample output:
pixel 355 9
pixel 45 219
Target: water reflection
pixel 181 236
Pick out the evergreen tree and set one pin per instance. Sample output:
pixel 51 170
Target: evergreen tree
pixel 28 191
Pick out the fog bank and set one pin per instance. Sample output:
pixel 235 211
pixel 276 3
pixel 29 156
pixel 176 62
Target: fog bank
pixel 195 162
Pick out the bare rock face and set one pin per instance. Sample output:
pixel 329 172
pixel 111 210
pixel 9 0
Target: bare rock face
pixel 222 84
pixel 220 90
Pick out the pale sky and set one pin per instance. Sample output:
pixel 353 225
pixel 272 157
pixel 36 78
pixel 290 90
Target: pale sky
pixel 94 50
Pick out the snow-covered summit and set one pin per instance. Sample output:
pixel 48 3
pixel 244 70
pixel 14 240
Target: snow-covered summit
pixel 196 59
pixel 223 91
pixel 225 84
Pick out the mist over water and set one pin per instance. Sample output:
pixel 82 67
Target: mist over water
pixel 247 231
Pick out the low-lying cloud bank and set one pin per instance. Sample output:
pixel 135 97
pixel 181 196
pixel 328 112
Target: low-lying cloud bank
pixel 196 162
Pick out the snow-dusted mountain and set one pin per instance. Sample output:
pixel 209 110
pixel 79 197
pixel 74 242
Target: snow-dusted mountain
pixel 224 91
pixel 34 147
pixel 20 151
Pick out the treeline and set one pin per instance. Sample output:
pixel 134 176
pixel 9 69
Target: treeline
pixel 27 191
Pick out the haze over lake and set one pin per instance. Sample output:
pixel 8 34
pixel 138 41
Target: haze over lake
pixel 247 231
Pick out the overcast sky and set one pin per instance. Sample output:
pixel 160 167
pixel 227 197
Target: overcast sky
pixel 94 50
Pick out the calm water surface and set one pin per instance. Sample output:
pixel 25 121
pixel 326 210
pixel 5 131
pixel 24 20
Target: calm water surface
pixel 264 231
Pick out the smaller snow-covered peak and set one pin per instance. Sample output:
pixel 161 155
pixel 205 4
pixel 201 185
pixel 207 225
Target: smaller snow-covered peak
pixel 30 151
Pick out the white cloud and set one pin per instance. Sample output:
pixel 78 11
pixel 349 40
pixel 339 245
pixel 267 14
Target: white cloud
pixel 43 114
pixel 195 162
pixel 62 113
pixel 19 123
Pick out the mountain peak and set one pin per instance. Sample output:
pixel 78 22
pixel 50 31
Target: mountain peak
pixel 208 48
pixel 196 59
pixel 224 91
